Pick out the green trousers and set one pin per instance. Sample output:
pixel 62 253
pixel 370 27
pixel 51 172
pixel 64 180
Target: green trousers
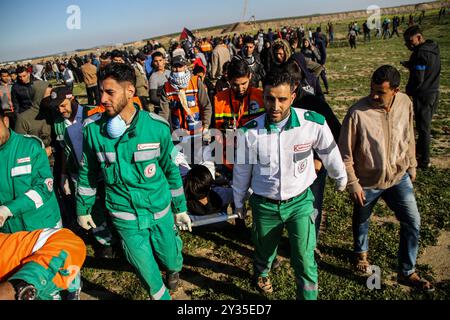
pixel 269 220
pixel 143 246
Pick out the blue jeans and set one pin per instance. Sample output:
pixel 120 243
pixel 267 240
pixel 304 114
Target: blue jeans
pixel 318 190
pixel 400 199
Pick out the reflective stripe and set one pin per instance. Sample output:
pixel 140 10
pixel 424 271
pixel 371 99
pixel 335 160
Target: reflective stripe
pixel 310 286
pixel 161 214
pixel 59 225
pixel 160 293
pixel 177 192
pixel 43 237
pixel 101 156
pixel 146 155
pixel 110 156
pixel 123 216
pixel 327 150
pixel 18 171
pixel 103 242
pixel 87 191
pixel 36 198
pixel 301 155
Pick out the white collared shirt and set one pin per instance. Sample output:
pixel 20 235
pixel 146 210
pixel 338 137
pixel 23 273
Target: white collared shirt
pixel 280 165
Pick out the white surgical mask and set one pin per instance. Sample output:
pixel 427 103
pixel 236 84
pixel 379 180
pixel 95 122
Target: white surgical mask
pixel 116 127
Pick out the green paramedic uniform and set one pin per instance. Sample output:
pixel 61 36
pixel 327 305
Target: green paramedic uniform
pixel 278 165
pixel 26 184
pixel 143 188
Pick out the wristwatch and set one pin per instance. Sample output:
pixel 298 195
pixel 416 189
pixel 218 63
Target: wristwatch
pixel 24 290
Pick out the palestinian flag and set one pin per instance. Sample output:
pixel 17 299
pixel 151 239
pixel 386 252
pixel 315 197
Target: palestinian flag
pixel 187 34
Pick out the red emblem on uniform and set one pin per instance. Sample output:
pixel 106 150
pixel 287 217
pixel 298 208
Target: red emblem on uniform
pixel 302 147
pixel 150 170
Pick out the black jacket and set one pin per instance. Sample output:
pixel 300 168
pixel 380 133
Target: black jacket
pixel 256 67
pixel 310 78
pixel 425 69
pixel 22 96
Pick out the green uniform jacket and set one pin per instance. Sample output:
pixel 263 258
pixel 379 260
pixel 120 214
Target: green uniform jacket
pixel 142 180
pixel 26 185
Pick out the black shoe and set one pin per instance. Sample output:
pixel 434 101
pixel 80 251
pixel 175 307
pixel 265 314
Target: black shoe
pixel 172 280
pixel 105 252
pixel 240 224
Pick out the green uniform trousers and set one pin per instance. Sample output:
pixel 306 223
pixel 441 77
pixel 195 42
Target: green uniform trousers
pixel 269 220
pixel 143 246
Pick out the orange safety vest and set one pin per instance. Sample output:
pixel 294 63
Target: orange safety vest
pixel 179 117
pixel 206 47
pixel 59 251
pixel 231 113
pixel 101 108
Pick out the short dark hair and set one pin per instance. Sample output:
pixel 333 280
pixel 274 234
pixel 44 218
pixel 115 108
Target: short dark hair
pixel 412 31
pixel 198 183
pixel 117 54
pixel 276 78
pixel 277 46
pixel 291 67
pixel 293 41
pixel 157 54
pixel 21 69
pixel 4 71
pixel 389 74
pixel 121 72
pixel 238 68
pixel 198 69
pixel 249 39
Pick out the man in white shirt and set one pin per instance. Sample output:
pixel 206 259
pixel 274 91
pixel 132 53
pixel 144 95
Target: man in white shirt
pixel 275 159
pixel 67 76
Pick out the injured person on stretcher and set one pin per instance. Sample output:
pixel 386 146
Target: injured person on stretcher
pixel 207 203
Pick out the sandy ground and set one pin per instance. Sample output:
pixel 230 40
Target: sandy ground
pixel 438 257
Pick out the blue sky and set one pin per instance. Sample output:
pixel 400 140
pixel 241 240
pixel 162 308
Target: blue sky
pixel 35 27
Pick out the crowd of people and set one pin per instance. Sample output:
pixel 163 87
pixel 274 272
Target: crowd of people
pixel 172 135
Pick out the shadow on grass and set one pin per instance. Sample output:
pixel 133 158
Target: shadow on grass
pixel 215 266
pixel 219 287
pixel 230 237
pixel 98 291
pixel 108 264
pixel 342 272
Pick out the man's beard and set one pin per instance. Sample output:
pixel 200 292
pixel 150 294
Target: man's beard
pixel 120 106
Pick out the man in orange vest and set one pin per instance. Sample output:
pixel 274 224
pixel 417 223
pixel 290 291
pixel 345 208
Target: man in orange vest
pixel 238 105
pixel 206 48
pixel 39 265
pixel 186 106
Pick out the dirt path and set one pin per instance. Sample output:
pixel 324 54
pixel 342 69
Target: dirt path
pixel 438 257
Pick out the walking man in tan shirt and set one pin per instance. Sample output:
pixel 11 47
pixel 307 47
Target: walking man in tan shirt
pixel 378 148
pixel 90 79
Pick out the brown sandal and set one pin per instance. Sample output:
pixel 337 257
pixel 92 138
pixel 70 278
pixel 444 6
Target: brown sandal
pixel 415 281
pixel 264 285
pixel 362 263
